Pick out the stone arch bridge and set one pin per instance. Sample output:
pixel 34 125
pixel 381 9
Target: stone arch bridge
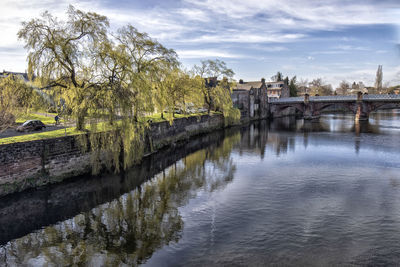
pixel 361 105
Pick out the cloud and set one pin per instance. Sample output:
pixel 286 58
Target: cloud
pixel 351 48
pixel 341 49
pixel 248 31
pixel 239 37
pixel 305 14
pixel 328 52
pixel 193 14
pixel 274 48
pixel 212 21
pixel 206 53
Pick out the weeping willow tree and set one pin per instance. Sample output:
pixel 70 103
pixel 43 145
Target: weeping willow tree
pixel 62 55
pixel 125 95
pixel 68 57
pixel 146 58
pixel 178 90
pixel 105 84
pixel 108 81
pixel 16 98
pixel 216 88
pixel 223 101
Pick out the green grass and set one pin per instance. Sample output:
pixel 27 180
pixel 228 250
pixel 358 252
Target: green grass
pixel 72 130
pixel 156 117
pixel 48 120
pixel 39 136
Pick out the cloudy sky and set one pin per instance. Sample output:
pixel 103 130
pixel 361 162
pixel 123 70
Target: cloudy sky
pixel 332 39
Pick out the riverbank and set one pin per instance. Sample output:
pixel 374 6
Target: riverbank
pixel 270 183
pixel 35 163
pixel 22 213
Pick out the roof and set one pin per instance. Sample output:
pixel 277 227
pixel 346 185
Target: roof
pixel 247 85
pixel 243 86
pixel 255 84
pixel 21 75
pixel 280 82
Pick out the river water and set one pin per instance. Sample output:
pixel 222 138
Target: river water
pixel 280 193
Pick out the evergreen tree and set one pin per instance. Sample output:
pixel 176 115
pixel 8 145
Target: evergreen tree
pixel 293 86
pixel 286 80
pixel 278 77
pixel 378 80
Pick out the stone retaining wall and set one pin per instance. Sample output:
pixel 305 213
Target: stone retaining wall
pixel 30 164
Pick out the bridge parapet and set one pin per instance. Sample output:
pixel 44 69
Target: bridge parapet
pixel 313 99
pixel 336 98
pixel 388 97
pixel 297 99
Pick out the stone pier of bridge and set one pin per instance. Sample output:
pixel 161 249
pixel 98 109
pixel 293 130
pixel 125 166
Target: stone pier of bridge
pixel 312 110
pixel 362 110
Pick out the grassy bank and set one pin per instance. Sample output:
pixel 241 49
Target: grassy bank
pixel 71 130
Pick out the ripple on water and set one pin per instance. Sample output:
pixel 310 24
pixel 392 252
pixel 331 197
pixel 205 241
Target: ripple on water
pixel 283 193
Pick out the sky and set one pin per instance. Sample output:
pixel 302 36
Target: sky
pixel 330 39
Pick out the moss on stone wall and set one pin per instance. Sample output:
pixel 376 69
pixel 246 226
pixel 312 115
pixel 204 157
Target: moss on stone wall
pixel 57 159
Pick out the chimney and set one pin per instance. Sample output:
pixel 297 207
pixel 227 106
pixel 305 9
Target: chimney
pixel 241 81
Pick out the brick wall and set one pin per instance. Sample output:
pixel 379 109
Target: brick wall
pixel 30 164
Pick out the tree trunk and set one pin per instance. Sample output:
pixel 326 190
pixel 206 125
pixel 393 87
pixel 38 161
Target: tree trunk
pixel 80 122
pixel 135 114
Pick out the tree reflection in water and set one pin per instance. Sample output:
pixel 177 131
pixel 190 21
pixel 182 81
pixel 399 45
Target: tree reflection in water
pixel 129 229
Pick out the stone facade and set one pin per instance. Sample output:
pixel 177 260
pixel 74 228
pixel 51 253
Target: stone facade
pixel 251 99
pixel 30 164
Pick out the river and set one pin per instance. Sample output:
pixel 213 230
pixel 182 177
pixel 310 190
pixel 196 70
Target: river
pixel 280 193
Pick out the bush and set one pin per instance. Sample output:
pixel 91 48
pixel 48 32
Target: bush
pixel 7 120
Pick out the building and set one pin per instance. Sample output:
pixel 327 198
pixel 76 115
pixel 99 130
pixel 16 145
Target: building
pixel 277 89
pixel 251 99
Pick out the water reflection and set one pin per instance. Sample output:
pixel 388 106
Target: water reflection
pixel 386 122
pixel 130 228
pixel 283 192
pixel 25 212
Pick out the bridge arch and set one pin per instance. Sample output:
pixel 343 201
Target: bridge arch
pixel 383 105
pixel 340 106
pixel 279 108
